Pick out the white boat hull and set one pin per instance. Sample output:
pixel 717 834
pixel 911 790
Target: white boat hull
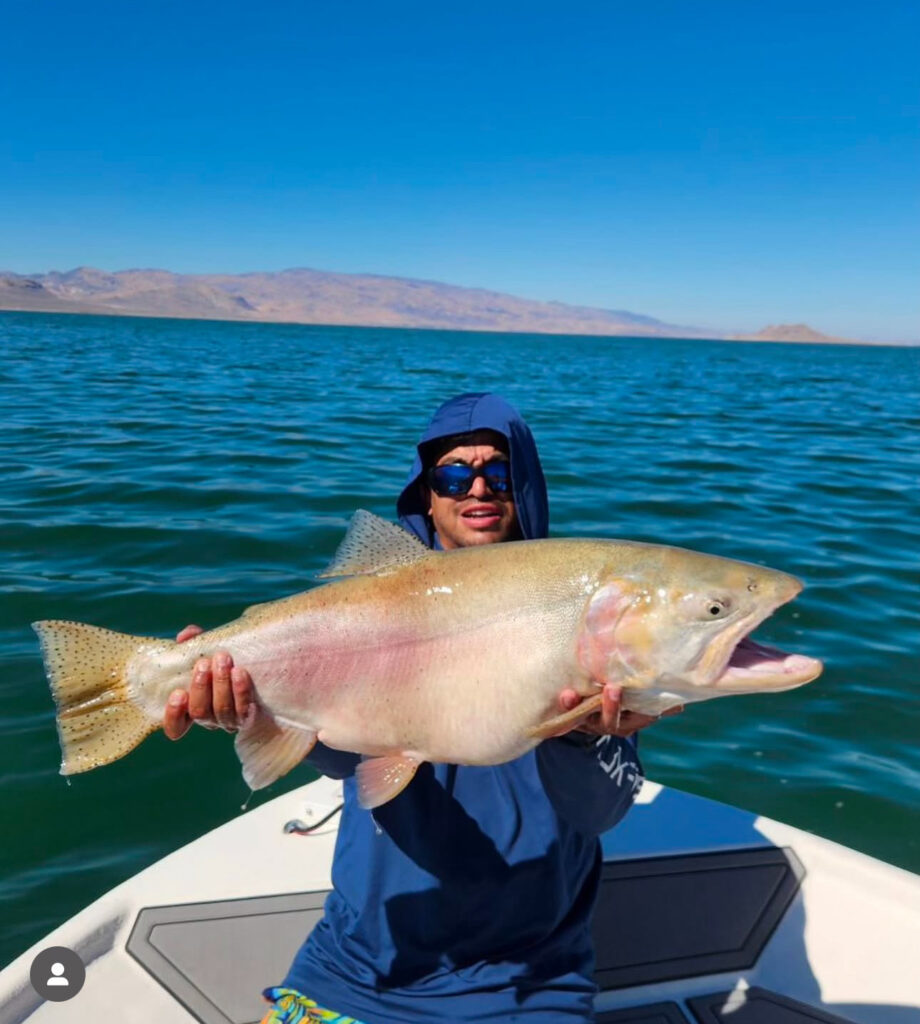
pixel 847 941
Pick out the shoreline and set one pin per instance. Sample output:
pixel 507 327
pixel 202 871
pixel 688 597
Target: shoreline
pixel 620 335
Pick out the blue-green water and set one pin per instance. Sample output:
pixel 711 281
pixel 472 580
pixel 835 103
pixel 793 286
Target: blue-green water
pixel 160 472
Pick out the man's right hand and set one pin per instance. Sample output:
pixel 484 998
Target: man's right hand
pixel 219 694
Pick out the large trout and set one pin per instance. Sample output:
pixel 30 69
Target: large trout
pixel 459 656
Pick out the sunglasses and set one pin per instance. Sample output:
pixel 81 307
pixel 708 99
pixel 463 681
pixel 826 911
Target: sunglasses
pixel 455 479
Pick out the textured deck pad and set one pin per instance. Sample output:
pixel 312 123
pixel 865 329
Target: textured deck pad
pixel 659 918
pixel 758 1006
pixel 193 951
pixel 652 1013
pixel 678 917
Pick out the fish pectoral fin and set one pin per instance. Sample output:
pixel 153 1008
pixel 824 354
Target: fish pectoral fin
pixel 568 720
pixel 381 778
pixel 268 749
pixel 373 545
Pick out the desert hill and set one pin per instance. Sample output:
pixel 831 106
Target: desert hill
pixel 323 297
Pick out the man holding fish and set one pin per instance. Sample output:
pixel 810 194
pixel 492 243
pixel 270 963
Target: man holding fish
pixel 466 679
pixel 468 896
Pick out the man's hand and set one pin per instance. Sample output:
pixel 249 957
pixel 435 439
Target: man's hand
pixel 219 695
pixel 611 720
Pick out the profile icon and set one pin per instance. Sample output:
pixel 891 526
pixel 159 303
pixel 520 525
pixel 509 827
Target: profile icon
pixel 57 973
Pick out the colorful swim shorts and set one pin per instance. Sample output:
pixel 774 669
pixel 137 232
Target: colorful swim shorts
pixel 292 1007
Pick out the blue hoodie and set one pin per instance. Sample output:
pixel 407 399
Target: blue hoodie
pixel 468 897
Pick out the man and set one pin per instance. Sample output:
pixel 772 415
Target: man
pixel 467 897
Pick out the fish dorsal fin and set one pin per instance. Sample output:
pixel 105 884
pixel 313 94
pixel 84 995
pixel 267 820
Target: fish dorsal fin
pixel 372 546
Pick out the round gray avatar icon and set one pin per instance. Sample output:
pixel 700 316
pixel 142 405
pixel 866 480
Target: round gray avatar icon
pixel 57 973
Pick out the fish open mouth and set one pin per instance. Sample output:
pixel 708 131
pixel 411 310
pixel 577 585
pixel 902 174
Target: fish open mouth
pixel 755 666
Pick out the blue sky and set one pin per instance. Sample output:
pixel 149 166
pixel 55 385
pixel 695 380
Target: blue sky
pixel 723 164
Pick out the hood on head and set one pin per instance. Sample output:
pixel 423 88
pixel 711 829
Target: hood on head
pixel 461 415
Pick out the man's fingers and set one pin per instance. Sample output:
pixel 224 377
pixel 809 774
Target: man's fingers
pixel 222 700
pixel 610 708
pixel 176 722
pixel 612 720
pixel 219 696
pixel 243 695
pixel 188 633
pixel 199 693
pixel 569 699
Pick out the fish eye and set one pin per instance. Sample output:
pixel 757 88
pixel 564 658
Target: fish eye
pixel 716 608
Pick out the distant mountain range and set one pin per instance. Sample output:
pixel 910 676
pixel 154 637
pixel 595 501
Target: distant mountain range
pixel 320 297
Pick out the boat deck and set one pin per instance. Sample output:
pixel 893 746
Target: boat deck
pixel 716 912
pixel 732 919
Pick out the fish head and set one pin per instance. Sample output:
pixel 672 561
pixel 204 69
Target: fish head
pixel 684 627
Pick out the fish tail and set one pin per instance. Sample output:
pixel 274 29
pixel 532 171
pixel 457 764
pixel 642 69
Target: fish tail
pixel 97 720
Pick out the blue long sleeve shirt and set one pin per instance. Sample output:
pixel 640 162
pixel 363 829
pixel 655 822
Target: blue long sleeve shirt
pixel 468 897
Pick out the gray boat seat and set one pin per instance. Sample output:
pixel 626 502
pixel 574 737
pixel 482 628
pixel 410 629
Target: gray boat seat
pixel 713 912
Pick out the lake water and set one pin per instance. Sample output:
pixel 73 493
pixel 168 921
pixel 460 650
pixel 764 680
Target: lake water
pixel 160 472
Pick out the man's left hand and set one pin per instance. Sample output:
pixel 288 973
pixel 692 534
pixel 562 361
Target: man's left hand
pixel 612 720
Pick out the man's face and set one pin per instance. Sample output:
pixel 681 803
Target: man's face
pixel 481 516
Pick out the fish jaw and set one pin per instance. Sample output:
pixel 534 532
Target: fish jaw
pixel 738 664
pixel 754 667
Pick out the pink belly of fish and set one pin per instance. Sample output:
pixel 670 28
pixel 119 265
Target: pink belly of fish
pixel 467 696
